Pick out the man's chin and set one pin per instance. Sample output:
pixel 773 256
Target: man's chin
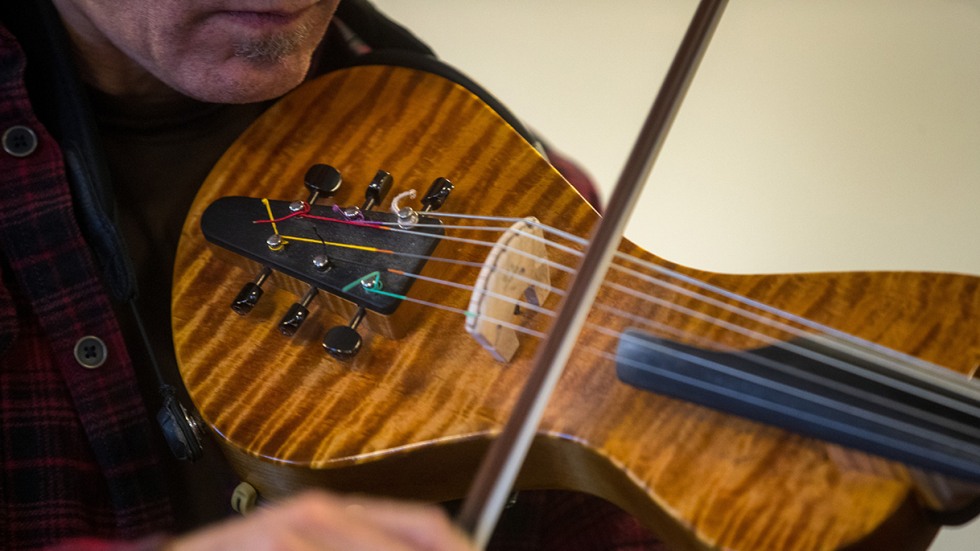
pixel 244 81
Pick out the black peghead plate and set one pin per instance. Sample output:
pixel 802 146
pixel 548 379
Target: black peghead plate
pixel 229 223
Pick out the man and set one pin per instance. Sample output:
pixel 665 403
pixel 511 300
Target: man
pixel 214 51
pixel 113 111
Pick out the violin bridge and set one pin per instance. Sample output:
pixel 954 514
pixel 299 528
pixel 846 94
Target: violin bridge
pixel 514 278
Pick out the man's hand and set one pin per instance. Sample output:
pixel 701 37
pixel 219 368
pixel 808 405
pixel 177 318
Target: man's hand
pixel 324 522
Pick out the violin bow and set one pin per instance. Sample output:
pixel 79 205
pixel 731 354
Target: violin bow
pixel 486 498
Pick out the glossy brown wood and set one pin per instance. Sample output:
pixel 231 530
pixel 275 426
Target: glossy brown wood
pixel 411 417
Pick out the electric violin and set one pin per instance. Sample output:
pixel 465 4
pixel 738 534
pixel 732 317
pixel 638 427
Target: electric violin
pixel 363 281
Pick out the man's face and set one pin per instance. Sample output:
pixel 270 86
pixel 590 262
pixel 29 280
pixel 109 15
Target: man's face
pixel 229 51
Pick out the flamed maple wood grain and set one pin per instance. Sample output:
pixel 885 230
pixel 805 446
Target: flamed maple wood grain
pixel 411 417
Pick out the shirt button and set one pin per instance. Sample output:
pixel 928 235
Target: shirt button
pixel 90 352
pixel 19 141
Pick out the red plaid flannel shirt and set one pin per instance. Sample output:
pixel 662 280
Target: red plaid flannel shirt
pixel 75 448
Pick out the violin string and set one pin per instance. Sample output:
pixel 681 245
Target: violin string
pixel 882 400
pixel 548 262
pixel 852 340
pixel 666 330
pixel 897 406
pixel 457 262
pixel 969 443
pixel 686 279
pixel 549 243
pixel 786 368
pixel 484 243
pixel 796 349
pixel 963 446
pixel 789 346
pixel 741 299
pixel 898 356
pixel 927 452
pixel 774 323
pixel 502 229
pixel 522 304
pixel 668 272
pixel 574 252
pixel 935 370
pixel 802 394
pixel 466 313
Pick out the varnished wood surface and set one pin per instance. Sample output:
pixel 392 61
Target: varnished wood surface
pixel 410 417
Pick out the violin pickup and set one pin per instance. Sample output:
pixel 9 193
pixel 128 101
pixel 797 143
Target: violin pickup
pixel 822 388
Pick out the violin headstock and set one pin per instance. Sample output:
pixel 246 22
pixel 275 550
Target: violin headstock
pixel 323 248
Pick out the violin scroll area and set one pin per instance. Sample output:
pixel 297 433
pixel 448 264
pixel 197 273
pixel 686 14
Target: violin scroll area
pixel 357 259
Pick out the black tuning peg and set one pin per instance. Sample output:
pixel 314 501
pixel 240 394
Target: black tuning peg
pixel 297 314
pixel 321 180
pixel 377 189
pixel 438 193
pixel 250 294
pixel 343 342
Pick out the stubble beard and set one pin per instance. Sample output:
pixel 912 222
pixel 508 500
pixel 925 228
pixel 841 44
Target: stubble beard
pixel 273 48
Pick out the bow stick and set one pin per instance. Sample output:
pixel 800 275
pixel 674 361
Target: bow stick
pixel 498 471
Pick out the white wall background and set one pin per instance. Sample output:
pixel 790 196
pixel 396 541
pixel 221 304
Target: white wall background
pixel 820 135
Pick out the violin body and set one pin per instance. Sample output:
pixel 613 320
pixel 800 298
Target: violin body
pixel 413 412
